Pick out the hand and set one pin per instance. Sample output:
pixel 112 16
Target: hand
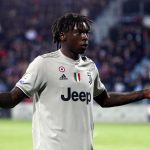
pixel 147 93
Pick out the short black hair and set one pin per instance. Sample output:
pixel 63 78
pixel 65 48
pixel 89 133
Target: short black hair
pixel 66 23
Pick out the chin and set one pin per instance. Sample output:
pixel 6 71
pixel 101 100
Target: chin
pixel 82 51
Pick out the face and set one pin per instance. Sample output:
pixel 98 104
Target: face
pixel 77 40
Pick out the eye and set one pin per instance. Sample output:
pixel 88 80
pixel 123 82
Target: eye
pixel 84 31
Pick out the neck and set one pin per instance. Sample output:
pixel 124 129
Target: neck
pixel 70 54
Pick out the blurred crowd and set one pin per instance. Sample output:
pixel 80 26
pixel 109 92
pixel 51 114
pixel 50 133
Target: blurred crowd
pixel 123 58
pixel 25 32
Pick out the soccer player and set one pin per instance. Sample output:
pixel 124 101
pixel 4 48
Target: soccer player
pixel 63 85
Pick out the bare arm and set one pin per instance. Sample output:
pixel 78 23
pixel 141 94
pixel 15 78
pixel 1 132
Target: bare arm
pixel 117 99
pixel 12 98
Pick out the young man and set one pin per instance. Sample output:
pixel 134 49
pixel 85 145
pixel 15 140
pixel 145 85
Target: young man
pixel 63 85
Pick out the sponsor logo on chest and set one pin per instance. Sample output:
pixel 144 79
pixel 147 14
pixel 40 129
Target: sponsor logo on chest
pixel 75 96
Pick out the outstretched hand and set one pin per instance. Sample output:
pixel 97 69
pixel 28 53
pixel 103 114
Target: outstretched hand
pixel 147 93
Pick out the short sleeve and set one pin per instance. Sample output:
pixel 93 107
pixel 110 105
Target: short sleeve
pixel 33 80
pixel 98 85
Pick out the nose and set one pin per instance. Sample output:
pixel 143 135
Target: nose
pixel 85 36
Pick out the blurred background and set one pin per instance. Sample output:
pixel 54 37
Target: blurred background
pixel 119 45
pixel 119 42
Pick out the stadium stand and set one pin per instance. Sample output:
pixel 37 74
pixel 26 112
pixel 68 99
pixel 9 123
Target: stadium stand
pixel 25 33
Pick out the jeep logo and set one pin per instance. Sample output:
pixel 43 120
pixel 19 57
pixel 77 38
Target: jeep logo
pixel 75 96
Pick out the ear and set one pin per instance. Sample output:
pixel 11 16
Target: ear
pixel 62 36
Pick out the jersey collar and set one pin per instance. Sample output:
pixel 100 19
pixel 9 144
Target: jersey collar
pixel 69 59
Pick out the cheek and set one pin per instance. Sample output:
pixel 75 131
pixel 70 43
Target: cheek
pixel 74 41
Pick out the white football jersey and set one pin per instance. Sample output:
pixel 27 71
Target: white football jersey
pixel 62 91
